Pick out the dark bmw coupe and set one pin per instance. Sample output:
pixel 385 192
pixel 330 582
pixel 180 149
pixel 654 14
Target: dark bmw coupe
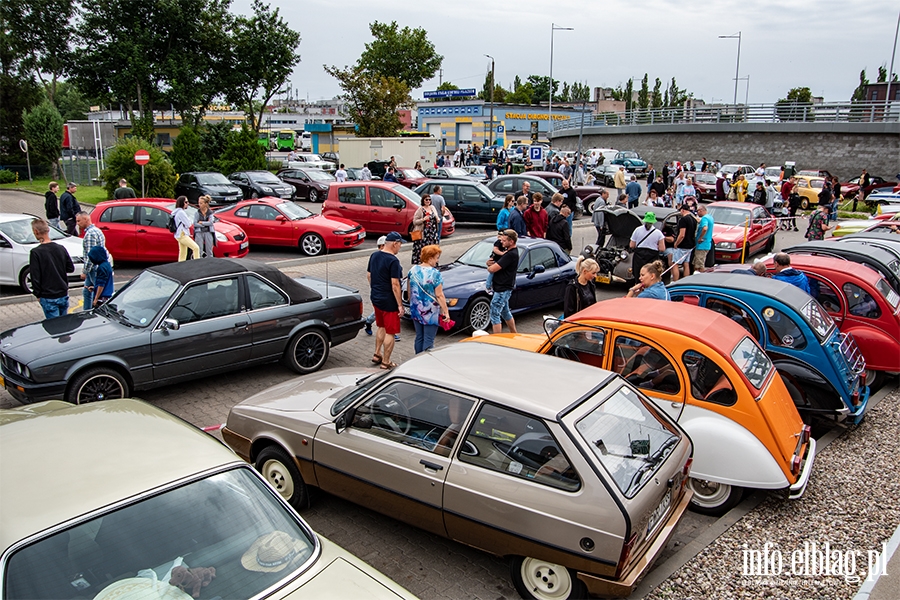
pixel 176 322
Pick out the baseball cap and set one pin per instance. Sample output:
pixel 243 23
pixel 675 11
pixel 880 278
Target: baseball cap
pixel 380 241
pixel 393 237
pixel 650 217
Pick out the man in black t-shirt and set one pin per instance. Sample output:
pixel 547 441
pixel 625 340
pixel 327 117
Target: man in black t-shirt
pixel 385 273
pixel 504 282
pixel 49 262
pixel 684 243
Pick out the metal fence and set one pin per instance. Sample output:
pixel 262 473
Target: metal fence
pixel 787 112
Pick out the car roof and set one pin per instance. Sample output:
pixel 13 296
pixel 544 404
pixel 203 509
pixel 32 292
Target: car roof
pixel 749 206
pixel 187 271
pixel 872 253
pixel 715 330
pixel 159 202
pixel 94 455
pixel 8 217
pixel 525 241
pixel 786 293
pixel 498 374
pixel 830 263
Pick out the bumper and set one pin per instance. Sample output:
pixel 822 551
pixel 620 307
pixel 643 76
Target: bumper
pixel 346 241
pixel 231 249
pixel 857 413
pixel 345 331
pixel 729 255
pixel 625 585
pixel 28 392
pixel 796 490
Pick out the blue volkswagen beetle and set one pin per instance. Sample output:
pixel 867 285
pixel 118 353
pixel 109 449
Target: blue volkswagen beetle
pixel 822 368
pixel 541 279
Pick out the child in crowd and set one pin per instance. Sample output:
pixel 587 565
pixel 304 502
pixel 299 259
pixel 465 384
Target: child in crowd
pixel 103 278
pixel 495 256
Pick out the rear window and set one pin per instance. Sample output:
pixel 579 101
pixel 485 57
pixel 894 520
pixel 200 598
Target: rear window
pixel 228 521
pixel 889 294
pixel 752 362
pixel 820 321
pixel 627 438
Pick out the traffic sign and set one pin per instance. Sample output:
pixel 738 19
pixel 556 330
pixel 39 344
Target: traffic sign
pixel 500 129
pixel 536 152
pixel 142 157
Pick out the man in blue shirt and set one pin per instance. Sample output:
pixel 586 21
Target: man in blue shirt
pixel 784 272
pixel 704 240
pixel 633 191
pixel 517 217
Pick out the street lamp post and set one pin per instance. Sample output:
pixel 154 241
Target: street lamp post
pixel 890 75
pixel 737 69
pixel 491 126
pixel 553 27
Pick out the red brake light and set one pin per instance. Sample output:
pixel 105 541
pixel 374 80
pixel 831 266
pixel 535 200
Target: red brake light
pixel 805 434
pixel 626 552
pixel 796 463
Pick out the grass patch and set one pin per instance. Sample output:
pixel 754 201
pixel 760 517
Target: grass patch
pixel 87 194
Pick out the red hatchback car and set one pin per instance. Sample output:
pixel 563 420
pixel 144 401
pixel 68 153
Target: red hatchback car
pixel 137 230
pixel 276 222
pixel 731 220
pixel 380 206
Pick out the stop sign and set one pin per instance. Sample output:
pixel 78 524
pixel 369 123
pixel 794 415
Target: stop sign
pixel 142 157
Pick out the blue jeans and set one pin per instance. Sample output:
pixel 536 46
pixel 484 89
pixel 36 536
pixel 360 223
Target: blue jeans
pixel 489 281
pixel 424 336
pixel 54 307
pixel 87 294
pixel 500 307
pixel 569 220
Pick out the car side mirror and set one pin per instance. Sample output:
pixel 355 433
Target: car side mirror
pixel 281 218
pixel 399 205
pixel 344 421
pixel 756 225
pixel 535 270
pixel 192 184
pixel 170 324
pixel 4 243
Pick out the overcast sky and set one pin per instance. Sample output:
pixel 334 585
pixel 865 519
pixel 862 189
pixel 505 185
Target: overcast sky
pixel 820 44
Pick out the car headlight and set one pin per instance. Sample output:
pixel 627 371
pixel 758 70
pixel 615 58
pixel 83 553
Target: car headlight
pixel 452 301
pixel 342 232
pixel 266 189
pixel 220 237
pixel 726 245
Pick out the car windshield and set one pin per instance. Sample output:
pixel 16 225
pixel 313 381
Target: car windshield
pixel 264 177
pixel 704 177
pixel 212 179
pixel 816 183
pixel 725 215
pixel 141 299
pixel 407 193
pixel 628 155
pixel 294 211
pixel 412 174
pixel 230 521
pixel 477 255
pixel 627 438
pixel 892 297
pixel 311 157
pixel 752 362
pixel 190 210
pixel 317 175
pixel 455 172
pixel 350 394
pixel 20 232
pixel 820 321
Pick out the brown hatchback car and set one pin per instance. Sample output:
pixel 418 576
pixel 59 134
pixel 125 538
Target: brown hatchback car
pixel 572 475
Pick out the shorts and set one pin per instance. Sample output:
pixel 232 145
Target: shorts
pixel 700 259
pixel 500 307
pixel 390 320
pixel 681 256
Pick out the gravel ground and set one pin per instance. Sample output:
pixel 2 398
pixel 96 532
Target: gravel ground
pixel 851 503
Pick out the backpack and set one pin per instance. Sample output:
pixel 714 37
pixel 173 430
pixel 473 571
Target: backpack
pixel 172 225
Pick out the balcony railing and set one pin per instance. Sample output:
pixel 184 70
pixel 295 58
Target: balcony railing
pixel 791 112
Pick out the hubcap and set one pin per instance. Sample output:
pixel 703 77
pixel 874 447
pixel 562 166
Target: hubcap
pixel 310 350
pixel 709 494
pixel 481 316
pixel 313 196
pixel 100 387
pixel 312 245
pixel 545 580
pixel 276 474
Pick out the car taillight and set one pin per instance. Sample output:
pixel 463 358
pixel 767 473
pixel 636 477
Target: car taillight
pixel 686 472
pixel 854 399
pixel 805 434
pixel 360 308
pixel 626 553
pixel 796 463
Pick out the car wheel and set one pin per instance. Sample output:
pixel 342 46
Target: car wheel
pixel 478 315
pixel 313 195
pixel 279 470
pixel 312 244
pixel 537 579
pixel 770 245
pixel 804 203
pixel 711 498
pixel 25 280
pixel 307 351
pixel 101 383
pixel 874 379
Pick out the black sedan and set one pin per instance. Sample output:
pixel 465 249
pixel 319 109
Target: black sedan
pixel 208 183
pixel 311 184
pixel 469 201
pixel 541 279
pixel 512 184
pixel 259 184
pixel 178 322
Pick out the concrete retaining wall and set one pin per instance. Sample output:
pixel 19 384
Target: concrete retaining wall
pixel 841 148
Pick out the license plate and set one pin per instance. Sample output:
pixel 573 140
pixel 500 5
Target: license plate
pixel 245 245
pixel 361 235
pixel 660 512
pixel 405 311
pixel 599 278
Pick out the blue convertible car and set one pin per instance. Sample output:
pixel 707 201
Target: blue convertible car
pixel 822 368
pixel 544 272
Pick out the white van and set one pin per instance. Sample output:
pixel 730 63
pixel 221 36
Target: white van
pixel 306 141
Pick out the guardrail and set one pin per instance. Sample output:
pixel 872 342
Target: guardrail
pixel 788 112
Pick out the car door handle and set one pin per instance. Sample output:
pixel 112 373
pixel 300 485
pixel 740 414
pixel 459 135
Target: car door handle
pixel 105 228
pixel 241 324
pixel 676 405
pixel 142 231
pixel 431 465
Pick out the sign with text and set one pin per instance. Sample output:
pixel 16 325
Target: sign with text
pixel 450 93
pixel 142 157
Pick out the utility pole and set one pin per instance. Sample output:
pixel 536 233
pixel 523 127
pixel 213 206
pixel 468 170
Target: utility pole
pixel 491 127
pixel 553 28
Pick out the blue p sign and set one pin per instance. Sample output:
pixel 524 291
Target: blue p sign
pixel 535 153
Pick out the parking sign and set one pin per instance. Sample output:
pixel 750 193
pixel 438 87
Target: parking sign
pixel 536 153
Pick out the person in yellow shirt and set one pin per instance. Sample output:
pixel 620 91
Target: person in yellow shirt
pixel 740 186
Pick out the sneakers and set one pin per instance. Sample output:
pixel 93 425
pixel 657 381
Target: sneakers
pixel 396 337
pixel 368 329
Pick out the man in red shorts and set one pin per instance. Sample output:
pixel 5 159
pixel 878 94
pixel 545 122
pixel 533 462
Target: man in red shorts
pixel 385 273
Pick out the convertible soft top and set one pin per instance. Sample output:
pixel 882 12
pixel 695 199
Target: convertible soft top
pixel 191 270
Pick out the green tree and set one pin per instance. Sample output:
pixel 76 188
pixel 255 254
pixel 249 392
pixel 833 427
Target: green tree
pixel 242 153
pixel 373 100
pixel 213 139
pixel 580 92
pixel 798 94
pixel 19 89
pixel 882 74
pixel 404 54
pixel 644 94
pixel 566 93
pixel 485 93
pixel 71 104
pixel 656 101
pixel 187 151
pixel 541 87
pixel 628 94
pixel 523 93
pixel 142 126
pixel 44 133
pixel 265 51
pixel 797 105
pixel 159 176
pixel 859 94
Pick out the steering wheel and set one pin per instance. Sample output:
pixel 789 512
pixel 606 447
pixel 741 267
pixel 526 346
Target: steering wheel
pixel 566 353
pixel 384 410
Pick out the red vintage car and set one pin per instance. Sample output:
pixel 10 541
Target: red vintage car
pixel 741 228
pixel 380 206
pixel 276 222
pixel 409 178
pixel 850 188
pixel 137 230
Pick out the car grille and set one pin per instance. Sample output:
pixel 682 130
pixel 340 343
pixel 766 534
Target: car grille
pixel 13 367
pixel 239 237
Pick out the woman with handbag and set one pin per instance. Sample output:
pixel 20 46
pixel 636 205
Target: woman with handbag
pixel 426 228
pixel 427 305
